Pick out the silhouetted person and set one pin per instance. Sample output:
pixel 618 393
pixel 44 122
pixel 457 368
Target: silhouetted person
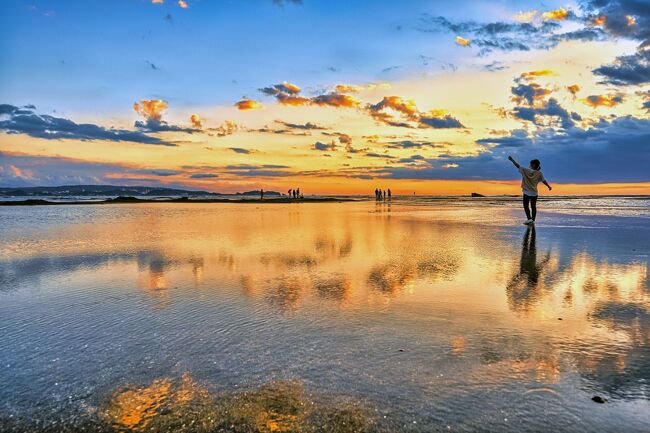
pixel 298 193
pixel 530 177
pixel 289 193
pixel 261 194
pixel 384 195
pixel 389 194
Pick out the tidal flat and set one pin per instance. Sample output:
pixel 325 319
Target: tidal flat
pixel 410 316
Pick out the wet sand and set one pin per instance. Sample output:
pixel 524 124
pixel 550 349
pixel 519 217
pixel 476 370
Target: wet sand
pixel 360 317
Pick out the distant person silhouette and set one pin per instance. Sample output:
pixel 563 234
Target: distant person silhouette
pixel 261 194
pixel 389 194
pixel 298 193
pixel 384 195
pixel 289 193
pixel 530 177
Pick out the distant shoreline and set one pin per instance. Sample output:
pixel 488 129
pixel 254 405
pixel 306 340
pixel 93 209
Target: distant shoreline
pixel 134 200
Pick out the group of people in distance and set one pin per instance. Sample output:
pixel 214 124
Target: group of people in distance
pixel 381 195
pixel 295 193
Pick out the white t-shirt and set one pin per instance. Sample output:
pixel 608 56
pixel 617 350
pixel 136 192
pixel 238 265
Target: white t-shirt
pixel 529 180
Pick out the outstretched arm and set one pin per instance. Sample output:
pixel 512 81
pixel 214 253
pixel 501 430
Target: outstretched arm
pixel 547 185
pixel 513 161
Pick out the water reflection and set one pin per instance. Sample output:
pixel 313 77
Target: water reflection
pixel 525 288
pixel 410 310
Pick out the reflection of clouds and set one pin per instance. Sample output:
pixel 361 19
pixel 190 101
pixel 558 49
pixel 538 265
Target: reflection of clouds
pixel 286 260
pixel 15 272
pixel 391 277
pixel 336 287
pixel 285 293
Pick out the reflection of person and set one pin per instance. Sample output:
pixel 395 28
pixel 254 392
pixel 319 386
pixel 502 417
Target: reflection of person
pixel 522 289
pixel 530 177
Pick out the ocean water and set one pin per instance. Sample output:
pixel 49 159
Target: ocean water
pixel 422 314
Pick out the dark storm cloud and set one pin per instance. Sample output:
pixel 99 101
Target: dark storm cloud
pixel 23 120
pixel 442 122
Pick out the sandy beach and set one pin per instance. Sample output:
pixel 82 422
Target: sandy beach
pixel 384 317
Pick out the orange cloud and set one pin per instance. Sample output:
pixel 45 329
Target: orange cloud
pixel 292 100
pixel 228 127
pixel 347 88
pixel 396 103
pixel 157 1
pixel 574 88
pixel 540 73
pixel 182 3
pixel 462 41
pixel 151 109
pixel 196 120
pixel 630 20
pixel 600 21
pixel 248 104
pixel 556 14
pixel 603 100
pixel 335 100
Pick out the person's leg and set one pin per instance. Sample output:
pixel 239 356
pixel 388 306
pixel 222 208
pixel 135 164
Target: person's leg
pixel 533 206
pixel 526 200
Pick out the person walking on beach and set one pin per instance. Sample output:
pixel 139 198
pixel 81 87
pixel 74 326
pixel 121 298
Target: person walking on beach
pixel 530 177
pixel 261 194
pixel 389 194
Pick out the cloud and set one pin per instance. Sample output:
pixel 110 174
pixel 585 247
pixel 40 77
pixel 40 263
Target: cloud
pixel 538 115
pixel 335 100
pixel 228 127
pixel 248 104
pixel 241 150
pixel 196 120
pixel 462 41
pixel 265 170
pixel 573 89
pixel 343 138
pixel 18 169
pixel 627 70
pixel 556 14
pixel 203 176
pixel 307 125
pixel 411 117
pixel 603 100
pixel 324 146
pixel 182 4
pixel 347 88
pixel 528 93
pixel 439 121
pixel 288 94
pixel 284 87
pixel 151 109
pixel 23 120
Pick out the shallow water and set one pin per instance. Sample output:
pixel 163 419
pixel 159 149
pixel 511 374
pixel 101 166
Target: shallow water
pixel 430 316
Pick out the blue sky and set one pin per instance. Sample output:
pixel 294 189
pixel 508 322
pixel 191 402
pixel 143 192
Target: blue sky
pixel 460 76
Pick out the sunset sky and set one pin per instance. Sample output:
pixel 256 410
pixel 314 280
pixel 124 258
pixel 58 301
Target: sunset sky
pixel 329 96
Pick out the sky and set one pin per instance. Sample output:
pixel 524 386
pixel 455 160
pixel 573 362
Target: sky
pixel 338 97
